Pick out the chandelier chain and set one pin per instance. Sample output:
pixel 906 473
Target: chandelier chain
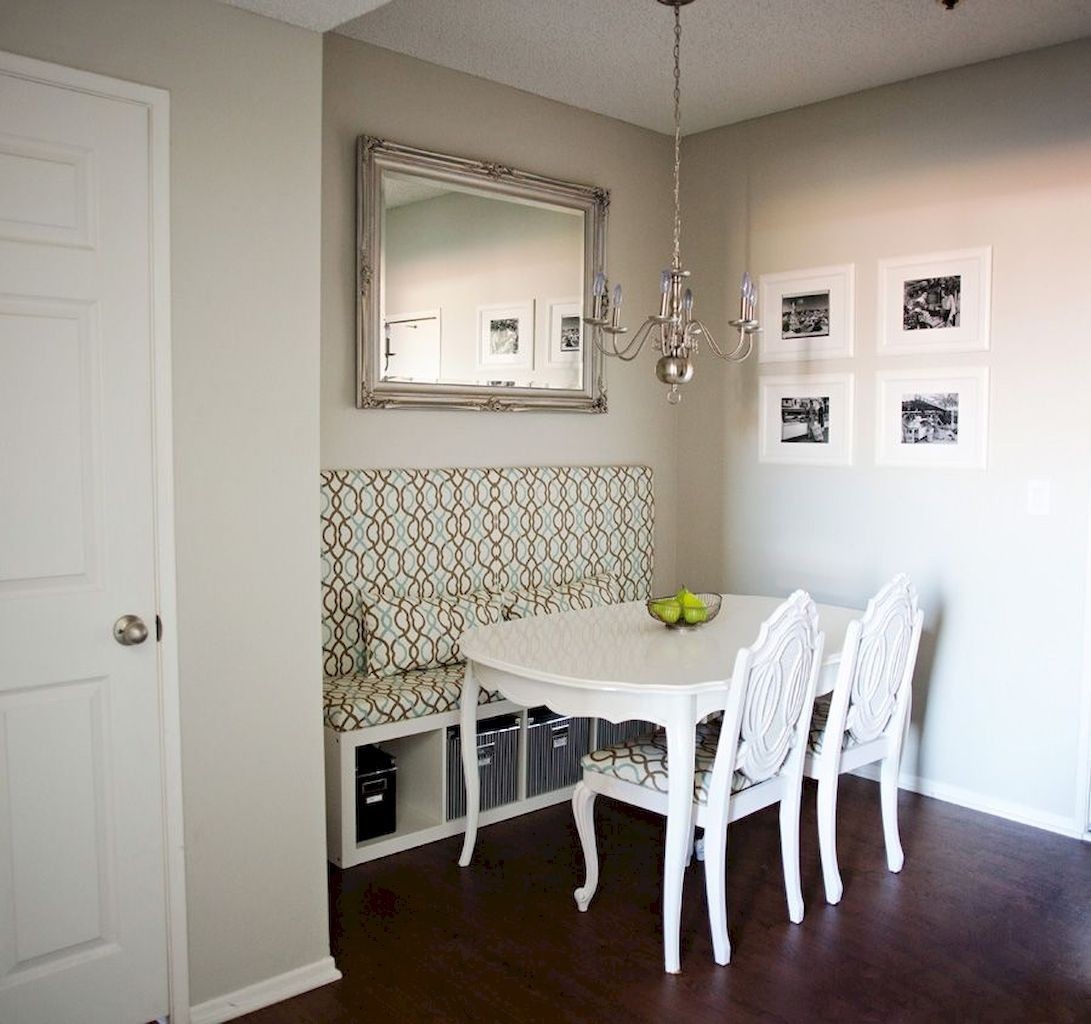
pixel 676 260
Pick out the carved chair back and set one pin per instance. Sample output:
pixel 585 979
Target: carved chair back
pixel 768 710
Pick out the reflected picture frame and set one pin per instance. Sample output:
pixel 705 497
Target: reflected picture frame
pixel 505 335
pixel 565 333
pixel 806 419
pixel 932 417
pixel 807 314
pixel 935 302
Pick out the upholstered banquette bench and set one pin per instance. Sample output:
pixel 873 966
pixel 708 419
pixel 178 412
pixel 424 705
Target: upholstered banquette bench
pixel 413 558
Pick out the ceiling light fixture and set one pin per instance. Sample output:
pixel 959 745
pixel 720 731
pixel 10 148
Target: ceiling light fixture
pixel 675 331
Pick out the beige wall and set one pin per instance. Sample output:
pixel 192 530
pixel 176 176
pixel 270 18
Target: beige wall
pixel 381 93
pixel 1000 155
pixel 245 178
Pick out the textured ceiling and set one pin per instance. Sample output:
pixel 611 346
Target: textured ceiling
pixel 319 15
pixel 741 58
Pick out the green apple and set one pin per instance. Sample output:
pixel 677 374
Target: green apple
pixel 669 610
pixel 693 608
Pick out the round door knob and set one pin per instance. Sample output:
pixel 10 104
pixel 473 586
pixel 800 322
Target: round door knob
pixel 130 630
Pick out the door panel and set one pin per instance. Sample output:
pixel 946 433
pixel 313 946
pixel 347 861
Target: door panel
pixel 82 879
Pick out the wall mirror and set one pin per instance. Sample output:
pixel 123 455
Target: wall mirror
pixel 472 282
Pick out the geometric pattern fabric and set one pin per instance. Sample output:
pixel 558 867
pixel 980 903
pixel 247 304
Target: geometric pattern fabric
pixel 445 533
pixel 407 633
pixel 591 592
pixel 357 701
pixel 643 762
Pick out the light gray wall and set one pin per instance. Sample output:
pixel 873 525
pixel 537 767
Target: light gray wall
pixel 245 179
pixel 373 91
pixel 1000 155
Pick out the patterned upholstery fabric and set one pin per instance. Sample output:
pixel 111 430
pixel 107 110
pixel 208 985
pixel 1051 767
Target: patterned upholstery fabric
pixel 590 592
pixel 449 532
pixel 356 701
pixel 408 633
pixel 819 719
pixel 643 761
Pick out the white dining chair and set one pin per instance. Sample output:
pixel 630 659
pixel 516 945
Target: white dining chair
pixel 750 760
pixel 865 718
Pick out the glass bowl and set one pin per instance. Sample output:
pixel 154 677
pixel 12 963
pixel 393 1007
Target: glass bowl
pixel 711 610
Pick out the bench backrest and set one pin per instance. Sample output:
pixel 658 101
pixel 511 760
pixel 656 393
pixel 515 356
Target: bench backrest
pixel 445 532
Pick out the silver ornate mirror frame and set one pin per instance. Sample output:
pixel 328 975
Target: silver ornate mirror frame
pixel 377 155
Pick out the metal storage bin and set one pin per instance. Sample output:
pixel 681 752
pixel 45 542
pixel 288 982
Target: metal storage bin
pixel 376 793
pixel 621 732
pixel 555 744
pixel 497 764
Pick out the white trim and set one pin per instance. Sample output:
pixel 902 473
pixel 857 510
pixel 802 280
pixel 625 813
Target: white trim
pixel 157 102
pixel 265 993
pixel 1082 811
pixel 1007 809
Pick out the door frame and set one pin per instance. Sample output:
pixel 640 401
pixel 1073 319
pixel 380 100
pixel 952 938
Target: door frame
pixel 157 104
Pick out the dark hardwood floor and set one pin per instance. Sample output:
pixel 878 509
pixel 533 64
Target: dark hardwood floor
pixel 988 921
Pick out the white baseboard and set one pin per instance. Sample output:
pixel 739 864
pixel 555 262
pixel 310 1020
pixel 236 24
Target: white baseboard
pixel 265 993
pixel 977 802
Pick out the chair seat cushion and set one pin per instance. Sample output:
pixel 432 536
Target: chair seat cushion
pixel 643 762
pixel 357 701
pixel 819 719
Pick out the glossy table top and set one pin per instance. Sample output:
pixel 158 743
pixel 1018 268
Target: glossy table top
pixel 622 648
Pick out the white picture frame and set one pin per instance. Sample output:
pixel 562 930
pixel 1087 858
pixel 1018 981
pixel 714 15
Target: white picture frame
pixel 806 419
pixel 935 302
pixel 505 335
pixel 565 317
pixel 934 417
pixel 807 314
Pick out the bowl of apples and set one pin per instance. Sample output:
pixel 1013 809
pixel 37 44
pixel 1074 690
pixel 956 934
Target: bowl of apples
pixel 684 610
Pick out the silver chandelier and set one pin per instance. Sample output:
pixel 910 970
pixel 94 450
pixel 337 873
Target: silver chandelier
pixel 675 331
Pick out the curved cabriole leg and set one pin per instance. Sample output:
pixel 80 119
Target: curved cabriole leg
pixel 468 728
pixel 888 794
pixel 827 836
pixel 680 748
pixel 715 856
pixel 583 810
pixel 789 852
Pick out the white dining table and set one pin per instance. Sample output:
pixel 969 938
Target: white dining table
pixel 618 663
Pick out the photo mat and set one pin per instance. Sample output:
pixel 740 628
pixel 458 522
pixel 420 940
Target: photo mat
pixel 806 314
pixel 806 419
pixel 935 302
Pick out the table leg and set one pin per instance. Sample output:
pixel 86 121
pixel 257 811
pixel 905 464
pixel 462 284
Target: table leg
pixel 681 730
pixel 468 729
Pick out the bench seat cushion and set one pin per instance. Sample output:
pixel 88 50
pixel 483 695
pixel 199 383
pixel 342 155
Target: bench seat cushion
pixel 358 701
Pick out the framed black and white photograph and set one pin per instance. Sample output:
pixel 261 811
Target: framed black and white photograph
pixel 938 302
pixel 565 332
pixel 806 419
pixel 806 314
pixel 933 417
pixel 506 335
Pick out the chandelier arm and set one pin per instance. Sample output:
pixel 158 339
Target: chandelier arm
pixel 626 353
pixel 746 342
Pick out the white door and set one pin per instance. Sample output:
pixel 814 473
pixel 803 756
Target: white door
pixel 82 899
pixel 412 348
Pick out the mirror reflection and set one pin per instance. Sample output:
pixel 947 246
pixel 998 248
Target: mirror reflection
pixel 479 289
pixel 473 278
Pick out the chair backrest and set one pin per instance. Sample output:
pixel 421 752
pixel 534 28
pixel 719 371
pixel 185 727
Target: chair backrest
pixel 769 702
pixel 877 664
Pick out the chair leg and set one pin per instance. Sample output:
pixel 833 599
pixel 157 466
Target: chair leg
pixel 888 795
pixel 827 837
pixel 789 852
pixel 715 857
pixel 583 810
